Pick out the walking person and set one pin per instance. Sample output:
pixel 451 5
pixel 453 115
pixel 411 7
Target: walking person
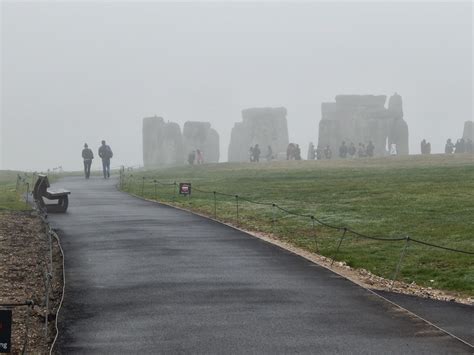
pixel 269 155
pixel 87 155
pixel 192 157
pixel 199 157
pixel 105 152
pixel 256 153
pixel 370 149
pixel 449 147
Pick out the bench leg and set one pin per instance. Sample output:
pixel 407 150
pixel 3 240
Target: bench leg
pixel 60 207
pixel 63 203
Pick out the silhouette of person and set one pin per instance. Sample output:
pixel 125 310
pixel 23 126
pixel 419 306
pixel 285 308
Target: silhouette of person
pixel 343 150
pixel 269 153
pixel 256 153
pixel 105 152
pixel 191 157
pixel 370 149
pixel 449 147
pixel 199 157
pixel 87 155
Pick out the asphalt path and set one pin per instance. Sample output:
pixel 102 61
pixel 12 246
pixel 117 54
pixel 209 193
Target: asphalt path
pixel 147 278
pixel 456 318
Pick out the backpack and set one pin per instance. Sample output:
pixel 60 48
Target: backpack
pixel 108 152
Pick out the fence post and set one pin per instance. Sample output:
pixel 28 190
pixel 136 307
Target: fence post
pixel 27 193
pixel 175 185
pixel 314 234
pixel 18 178
pixel 215 205
pixel 273 217
pixel 50 251
pixel 46 301
pixel 338 246
pixel 397 268
pixel 143 185
pixel 237 208
pixel 154 182
pixel 27 326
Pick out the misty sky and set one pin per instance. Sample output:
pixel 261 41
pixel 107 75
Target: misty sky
pixel 81 72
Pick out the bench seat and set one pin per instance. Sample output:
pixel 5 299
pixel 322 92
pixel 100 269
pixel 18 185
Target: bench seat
pixel 42 191
pixel 57 193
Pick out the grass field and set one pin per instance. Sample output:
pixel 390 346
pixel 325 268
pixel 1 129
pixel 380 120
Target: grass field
pixel 11 195
pixel 426 198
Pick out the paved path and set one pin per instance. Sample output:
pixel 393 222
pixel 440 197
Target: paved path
pixel 145 278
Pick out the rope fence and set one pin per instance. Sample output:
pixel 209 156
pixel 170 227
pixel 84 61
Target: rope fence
pixel 24 185
pixel 276 214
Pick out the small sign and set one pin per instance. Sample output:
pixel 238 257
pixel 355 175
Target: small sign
pixel 185 188
pixel 5 331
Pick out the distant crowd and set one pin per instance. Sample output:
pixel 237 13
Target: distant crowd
pixel 196 157
pixel 293 152
pixel 345 151
pixel 461 146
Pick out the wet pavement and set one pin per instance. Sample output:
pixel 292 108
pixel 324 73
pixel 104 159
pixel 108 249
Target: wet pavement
pixel 147 278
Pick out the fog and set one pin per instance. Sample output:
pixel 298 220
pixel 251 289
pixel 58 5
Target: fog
pixel 82 72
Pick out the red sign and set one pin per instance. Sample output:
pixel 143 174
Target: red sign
pixel 185 188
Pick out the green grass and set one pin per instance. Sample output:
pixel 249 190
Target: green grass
pixel 12 197
pixel 426 198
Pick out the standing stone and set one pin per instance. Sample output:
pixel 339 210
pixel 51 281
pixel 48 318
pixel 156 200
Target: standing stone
pixel 262 126
pixel 468 130
pixel 151 143
pixel 364 118
pixel 200 135
pixel 162 142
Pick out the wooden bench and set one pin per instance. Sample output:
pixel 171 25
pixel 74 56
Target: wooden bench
pixel 42 191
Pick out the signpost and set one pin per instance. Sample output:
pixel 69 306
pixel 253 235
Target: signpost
pixel 185 188
pixel 5 331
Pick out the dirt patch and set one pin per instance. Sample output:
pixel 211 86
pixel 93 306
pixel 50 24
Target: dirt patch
pixel 24 265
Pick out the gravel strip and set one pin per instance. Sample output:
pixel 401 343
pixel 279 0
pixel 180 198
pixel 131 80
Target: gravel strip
pixel 24 261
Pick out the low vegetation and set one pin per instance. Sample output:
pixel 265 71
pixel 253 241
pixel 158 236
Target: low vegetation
pixel 429 198
pixel 13 191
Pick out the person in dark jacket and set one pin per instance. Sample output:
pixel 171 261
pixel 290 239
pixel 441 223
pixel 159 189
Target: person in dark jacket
pixel 105 152
pixel 256 153
pixel 343 150
pixel 87 155
pixel 449 147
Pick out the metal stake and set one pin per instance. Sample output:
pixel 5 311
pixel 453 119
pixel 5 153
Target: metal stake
pixel 338 246
pixel 237 208
pixel 27 193
pixel 47 285
pixel 314 234
pixel 402 255
pixel 215 205
pixel 273 217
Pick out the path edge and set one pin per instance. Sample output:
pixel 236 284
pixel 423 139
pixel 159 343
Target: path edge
pixel 282 246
